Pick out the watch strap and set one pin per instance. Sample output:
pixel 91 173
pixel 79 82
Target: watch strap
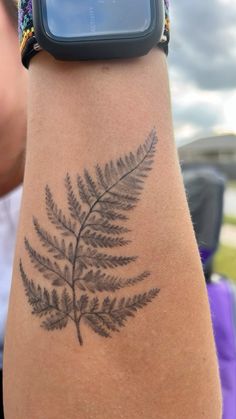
pixel 28 43
pixel 26 31
pixel 164 44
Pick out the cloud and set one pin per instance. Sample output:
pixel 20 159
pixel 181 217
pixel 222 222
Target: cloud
pixel 200 115
pixel 203 48
pixel 202 64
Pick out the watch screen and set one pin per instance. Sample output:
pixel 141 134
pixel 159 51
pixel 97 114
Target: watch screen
pixel 84 18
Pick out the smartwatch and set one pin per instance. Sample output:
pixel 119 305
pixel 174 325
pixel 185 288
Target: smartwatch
pixel 73 30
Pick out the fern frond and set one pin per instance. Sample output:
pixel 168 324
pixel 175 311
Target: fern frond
pixel 121 166
pixel 100 178
pixel 113 314
pixel 107 322
pixel 73 203
pixel 84 194
pixel 108 305
pixel 55 299
pixel 104 226
pixel 97 210
pixel 116 204
pixel 56 216
pixel 126 307
pixel 33 293
pixel 99 281
pixel 110 215
pixel 82 303
pixel 91 185
pixel 55 321
pixel 128 197
pixel 42 301
pixel 66 302
pixel 50 270
pixel 100 260
pixel 98 240
pixel 97 325
pixel 121 181
pixel 93 305
pixel 54 246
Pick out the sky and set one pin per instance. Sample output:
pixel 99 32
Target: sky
pixel 202 63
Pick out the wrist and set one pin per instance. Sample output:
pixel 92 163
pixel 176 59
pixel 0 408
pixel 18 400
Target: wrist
pixel 67 99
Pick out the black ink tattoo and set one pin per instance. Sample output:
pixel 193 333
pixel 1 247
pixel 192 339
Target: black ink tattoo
pixel 97 210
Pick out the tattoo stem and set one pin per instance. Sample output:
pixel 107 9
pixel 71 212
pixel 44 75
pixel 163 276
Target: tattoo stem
pixel 78 331
pixel 77 321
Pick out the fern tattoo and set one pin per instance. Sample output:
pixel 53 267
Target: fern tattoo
pixel 77 266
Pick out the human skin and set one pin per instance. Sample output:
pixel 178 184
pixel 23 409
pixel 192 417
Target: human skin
pixel 162 364
pixel 13 78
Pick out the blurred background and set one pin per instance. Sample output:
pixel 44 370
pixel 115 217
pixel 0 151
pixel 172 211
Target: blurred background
pixel 202 64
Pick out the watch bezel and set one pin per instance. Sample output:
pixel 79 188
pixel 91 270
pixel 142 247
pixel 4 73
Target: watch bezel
pixel 99 46
pixel 96 37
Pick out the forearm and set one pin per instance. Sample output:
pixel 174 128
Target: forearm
pixel 162 363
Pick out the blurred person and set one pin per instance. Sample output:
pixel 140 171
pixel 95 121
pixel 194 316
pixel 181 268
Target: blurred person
pixel 12 146
pixel 205 189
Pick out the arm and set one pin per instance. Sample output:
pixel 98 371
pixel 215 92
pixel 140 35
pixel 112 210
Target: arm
pixel 163 362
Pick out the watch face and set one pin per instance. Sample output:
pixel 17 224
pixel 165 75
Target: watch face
pixel 87 18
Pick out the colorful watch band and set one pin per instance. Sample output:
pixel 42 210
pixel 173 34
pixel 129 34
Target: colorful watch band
pixel 28 43
pixel 166 36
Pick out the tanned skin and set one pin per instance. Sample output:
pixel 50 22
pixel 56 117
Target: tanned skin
pixel 109 320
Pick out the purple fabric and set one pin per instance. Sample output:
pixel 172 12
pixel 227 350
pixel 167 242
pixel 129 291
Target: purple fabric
pixel 221 304
pixel 206 254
